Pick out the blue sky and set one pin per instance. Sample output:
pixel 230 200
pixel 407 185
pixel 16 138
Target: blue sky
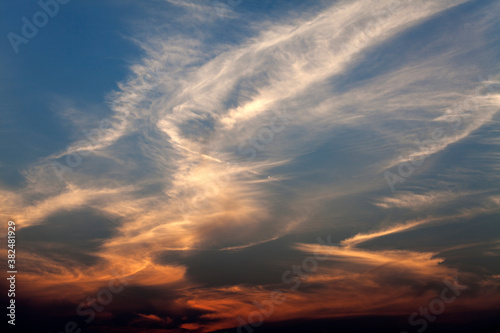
pixel 77 57
pixel 201 149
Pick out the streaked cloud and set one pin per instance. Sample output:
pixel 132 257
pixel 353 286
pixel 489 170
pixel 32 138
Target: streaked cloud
pixel 282 129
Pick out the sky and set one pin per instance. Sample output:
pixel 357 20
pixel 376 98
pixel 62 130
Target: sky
pixel 251 165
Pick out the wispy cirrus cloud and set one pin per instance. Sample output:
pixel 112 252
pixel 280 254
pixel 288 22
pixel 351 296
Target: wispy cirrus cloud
pixel 416 201
pixel 175 168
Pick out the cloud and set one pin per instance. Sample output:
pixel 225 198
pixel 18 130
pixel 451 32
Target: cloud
pixel 156 318
pixel 193 159
pixel 415 201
